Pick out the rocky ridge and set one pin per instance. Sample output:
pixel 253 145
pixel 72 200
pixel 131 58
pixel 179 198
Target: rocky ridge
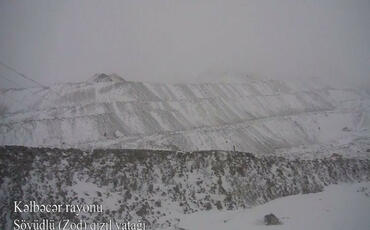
pixel 157 185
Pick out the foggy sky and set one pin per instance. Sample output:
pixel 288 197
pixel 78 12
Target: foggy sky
pixel 185 40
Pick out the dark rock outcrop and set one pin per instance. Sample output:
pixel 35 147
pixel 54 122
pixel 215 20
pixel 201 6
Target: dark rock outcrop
pixel 148 184
pixel 271 219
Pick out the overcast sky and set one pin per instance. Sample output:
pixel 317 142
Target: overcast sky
pixel 180 40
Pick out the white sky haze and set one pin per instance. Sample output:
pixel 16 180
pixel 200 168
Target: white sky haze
pixel 181 40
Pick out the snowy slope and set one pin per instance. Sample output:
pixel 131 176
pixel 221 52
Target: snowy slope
pixel 260 116
pixel 338 207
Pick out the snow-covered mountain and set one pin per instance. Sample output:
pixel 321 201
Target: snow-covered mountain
pixel 252 115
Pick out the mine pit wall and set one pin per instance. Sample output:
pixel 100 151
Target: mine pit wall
pixel 154 185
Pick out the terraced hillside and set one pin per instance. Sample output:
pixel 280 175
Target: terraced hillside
pixel 260 116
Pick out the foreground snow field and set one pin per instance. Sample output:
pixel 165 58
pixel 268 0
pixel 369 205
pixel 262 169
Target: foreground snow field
pixel 339 207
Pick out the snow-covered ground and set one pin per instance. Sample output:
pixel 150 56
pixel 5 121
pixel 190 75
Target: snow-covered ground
pixel 339 207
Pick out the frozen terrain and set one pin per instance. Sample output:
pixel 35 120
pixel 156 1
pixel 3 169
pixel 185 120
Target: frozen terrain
pixel 338 207
pixel 259 116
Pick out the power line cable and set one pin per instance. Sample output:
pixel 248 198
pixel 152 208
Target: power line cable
pixel 22 75
pixel 16 83
pixel 9 80
pixel 28 78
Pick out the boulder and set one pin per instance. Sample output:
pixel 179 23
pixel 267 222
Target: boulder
pixel 271 219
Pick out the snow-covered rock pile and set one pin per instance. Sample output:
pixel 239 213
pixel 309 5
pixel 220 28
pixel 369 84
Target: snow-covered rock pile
pixel 155 185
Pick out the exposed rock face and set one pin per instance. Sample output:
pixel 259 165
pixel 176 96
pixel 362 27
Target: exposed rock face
pixel 155 185
pixel 102 77
pixel 259 116
pixel 271 219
